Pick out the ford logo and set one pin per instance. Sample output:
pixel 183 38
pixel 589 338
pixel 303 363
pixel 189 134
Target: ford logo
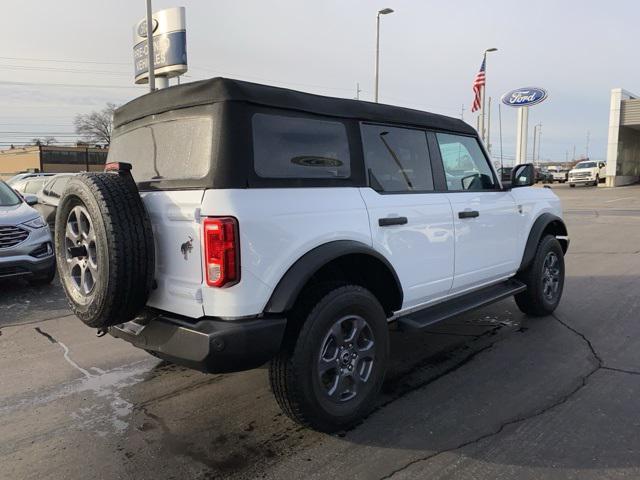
pixel 524 97
pixel 142 27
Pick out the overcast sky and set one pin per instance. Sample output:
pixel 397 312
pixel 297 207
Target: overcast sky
pixel 430 52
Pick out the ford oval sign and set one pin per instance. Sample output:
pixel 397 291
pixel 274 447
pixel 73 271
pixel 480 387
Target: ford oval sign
pixel 524 97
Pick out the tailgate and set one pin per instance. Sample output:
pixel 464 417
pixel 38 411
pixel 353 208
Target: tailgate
pixel 176 231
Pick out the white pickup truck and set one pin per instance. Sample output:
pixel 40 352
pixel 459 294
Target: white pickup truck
pixel 587 172
pixel 254 224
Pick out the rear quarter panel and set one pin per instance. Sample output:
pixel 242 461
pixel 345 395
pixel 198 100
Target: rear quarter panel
pixel 277 227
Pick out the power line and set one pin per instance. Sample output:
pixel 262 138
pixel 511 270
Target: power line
pixel 30 59
pixel 69 85
pixel 64 70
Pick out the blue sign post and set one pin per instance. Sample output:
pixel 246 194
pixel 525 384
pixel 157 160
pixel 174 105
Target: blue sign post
pixel 169 50
pixel 522 99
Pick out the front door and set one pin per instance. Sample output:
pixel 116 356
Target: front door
pixel 485 217
pixel 410 223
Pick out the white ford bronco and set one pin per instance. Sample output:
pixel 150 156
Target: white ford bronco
pixel 238 224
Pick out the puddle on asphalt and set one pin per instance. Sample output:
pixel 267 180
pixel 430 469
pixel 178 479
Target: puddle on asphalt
pixel 108 412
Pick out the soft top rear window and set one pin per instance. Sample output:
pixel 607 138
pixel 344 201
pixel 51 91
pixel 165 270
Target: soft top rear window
pixel 166 147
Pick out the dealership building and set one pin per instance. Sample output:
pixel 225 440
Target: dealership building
pixel 50 159
pixel 623 147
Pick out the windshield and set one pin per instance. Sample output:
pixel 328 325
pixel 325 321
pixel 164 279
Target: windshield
pixel 8 197
pixel 585 165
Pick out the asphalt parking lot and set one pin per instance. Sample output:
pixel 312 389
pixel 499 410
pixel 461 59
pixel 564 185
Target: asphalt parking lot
pixel 487 395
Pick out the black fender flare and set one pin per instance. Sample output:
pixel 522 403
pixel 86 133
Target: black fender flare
pixel 535 235
pixel 291 284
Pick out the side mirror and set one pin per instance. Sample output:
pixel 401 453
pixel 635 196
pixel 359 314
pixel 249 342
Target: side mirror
pixel 31 199
pixel 523 175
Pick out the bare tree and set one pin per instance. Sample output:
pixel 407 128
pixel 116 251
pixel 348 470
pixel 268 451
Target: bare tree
pixel 95 127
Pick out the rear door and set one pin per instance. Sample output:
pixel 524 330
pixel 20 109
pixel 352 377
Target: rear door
pixel 175 218
pixel 486 218
pixel 410 223
pixel 170 154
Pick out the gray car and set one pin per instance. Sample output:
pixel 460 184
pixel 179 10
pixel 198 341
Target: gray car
pixel 26 248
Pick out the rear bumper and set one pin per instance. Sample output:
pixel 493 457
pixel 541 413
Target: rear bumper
pixel 209 344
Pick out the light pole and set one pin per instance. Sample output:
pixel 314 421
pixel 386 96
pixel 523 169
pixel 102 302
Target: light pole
pixel 384 11
pixel 484 88
pixel 150 54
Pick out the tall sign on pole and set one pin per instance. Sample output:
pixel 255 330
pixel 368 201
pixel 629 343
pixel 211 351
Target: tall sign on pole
pixel 522 99
pixel 168 50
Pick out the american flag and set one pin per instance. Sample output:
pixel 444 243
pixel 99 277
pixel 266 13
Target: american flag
pixel 478 85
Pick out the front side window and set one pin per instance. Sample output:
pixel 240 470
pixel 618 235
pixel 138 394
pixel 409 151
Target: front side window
pixel 465 166
pixel 299 147
pixel 33 186
pixel 397 159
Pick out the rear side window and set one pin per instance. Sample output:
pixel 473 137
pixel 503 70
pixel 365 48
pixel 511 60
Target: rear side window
pixel 397 158
pixel 299 147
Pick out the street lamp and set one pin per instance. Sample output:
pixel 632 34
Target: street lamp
pixel 484 61
pixel 384 11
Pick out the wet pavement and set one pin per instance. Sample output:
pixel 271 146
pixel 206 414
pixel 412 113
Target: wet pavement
pixel 491 394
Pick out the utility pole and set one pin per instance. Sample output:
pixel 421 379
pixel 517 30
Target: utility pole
pixel 500 131
pixel 358 91
pixel 573 158
pixel 539 140
pixel 462 112
pixel 587 146
pixel 489 128
pixel 535 135
pixel 150 54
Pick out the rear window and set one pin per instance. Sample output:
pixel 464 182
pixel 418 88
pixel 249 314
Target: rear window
pixel 299 147
pixel 175 149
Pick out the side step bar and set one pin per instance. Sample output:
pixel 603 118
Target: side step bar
pixel 470 301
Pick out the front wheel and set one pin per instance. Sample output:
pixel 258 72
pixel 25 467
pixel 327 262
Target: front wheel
pixel 328 375
pixel 544 279
pixel 572 185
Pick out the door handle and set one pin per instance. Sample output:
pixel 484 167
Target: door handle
pixel 468 214
pixel 385 222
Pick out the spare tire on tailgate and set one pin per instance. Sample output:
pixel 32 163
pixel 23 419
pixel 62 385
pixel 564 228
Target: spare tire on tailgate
pixel 105 249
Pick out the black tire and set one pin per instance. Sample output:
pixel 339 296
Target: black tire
pixel 572 185
pixel 597 181
pixel 537 300
pixel 299 388
pixel 120 256
pixel 44 278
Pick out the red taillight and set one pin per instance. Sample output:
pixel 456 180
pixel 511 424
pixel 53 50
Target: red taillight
pixel 221 251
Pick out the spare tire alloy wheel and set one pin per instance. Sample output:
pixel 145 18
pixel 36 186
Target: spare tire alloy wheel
pixel 346 358
pixel 105 249
pixel 81 253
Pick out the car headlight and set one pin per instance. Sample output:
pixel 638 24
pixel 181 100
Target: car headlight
pixel 37 222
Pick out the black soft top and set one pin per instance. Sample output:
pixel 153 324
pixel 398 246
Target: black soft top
pixel 219 89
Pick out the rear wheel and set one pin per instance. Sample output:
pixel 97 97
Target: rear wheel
pixel 572 185
pixel 544 279
pixel 328 374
